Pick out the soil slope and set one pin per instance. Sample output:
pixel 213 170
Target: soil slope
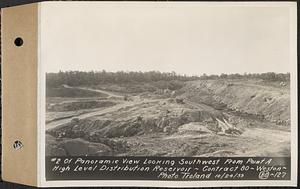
pixel 203 118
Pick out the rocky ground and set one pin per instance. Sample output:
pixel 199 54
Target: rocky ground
pixel 202 118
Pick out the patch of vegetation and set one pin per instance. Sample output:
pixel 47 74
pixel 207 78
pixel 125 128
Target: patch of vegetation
pixel 72 106
pixel 140 87
pixel 71 92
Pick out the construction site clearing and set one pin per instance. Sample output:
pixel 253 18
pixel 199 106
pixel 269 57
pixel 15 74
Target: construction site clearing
pixel 203 118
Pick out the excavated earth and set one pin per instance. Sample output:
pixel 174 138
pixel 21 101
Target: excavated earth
pixel 203 118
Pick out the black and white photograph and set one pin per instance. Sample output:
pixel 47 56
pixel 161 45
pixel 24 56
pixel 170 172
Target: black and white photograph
pixel 149 94
pixel 169 84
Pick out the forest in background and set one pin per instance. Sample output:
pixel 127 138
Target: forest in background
pixel 77 78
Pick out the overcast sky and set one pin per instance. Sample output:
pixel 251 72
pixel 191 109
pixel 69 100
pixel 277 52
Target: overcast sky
pixel 188 38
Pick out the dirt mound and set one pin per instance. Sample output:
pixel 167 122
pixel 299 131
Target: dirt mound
pixel 244 97
pixel 194 128
pixel 76 147
pixel 147 121
pixel 64 141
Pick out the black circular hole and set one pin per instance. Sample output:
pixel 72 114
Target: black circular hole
pixel 19 41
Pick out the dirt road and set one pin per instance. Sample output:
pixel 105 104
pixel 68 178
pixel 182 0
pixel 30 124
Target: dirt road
pixel 97 112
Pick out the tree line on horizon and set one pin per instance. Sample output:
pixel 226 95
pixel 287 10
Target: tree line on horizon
pixel 76 78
